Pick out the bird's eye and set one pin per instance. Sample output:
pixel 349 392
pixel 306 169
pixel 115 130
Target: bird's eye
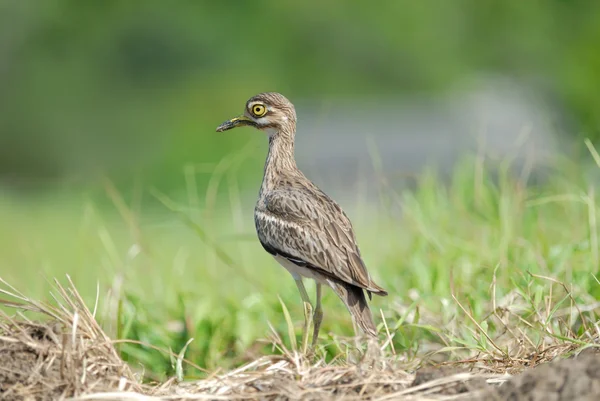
pixel 259 110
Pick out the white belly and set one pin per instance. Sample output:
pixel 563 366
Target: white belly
pixel 299 271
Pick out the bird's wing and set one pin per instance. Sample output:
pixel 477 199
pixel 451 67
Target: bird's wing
pixel 310 229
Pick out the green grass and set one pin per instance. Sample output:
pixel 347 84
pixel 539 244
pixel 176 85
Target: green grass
pixel 481 266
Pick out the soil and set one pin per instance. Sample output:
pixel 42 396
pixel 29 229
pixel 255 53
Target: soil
pixel 575 378
pixel 569 379
pixel 34 365
pixel 429 374
pixel 23 367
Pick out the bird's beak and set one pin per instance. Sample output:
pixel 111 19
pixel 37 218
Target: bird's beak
pixel 236 122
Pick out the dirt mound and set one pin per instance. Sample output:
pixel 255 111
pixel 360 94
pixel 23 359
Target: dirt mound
pixel 39 362
pixel 24 369
pixel 575 378
pixel 565 380
pixel 67 357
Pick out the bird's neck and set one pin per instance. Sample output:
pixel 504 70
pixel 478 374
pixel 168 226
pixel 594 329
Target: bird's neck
pixel 280 160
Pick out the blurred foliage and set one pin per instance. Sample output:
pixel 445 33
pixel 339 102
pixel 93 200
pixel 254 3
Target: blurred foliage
pixel 137 87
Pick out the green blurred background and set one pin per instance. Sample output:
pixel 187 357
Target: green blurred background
pixel 107 106
pixel 137 87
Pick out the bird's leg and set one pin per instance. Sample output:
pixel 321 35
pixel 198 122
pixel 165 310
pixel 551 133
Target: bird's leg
pixel 318 316
pixel 307 313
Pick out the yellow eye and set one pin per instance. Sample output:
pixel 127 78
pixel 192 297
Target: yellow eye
pixel 259 110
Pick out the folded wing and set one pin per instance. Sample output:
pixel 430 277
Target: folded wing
pixel 313 231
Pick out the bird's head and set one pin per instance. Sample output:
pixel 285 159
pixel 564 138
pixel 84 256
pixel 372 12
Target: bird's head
pixel 270 112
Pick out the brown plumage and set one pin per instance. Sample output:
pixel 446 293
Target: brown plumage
pixel 304 229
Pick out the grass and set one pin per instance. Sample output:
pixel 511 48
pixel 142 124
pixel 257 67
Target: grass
pixel 481 268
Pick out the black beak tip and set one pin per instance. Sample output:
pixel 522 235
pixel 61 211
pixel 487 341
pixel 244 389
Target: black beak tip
pixel 224 127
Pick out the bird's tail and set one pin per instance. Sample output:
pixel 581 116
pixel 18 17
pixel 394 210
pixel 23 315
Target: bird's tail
pixel 354 298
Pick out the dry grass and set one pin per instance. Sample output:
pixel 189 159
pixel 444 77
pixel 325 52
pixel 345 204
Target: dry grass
pixel 66 355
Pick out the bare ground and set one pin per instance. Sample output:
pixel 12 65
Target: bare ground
pixel 69 357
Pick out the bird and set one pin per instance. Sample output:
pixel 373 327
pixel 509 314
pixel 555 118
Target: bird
pixel 305 230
